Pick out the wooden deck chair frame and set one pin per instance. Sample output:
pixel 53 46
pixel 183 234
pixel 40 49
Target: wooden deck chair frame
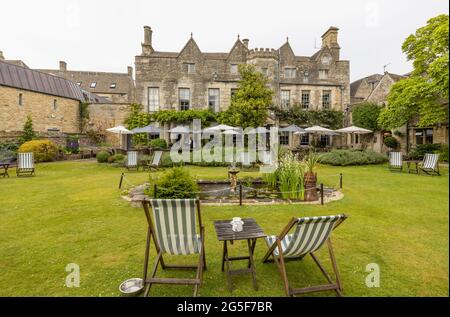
pixel 395 161
pixel 25 168
pixel 157 155
pixel 130 155
pixel 280 260
pixel 151 235
pixel 432 159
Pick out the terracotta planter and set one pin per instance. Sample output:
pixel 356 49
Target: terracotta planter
pixel 310 186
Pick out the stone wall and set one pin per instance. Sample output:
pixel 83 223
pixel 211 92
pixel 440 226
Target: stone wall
pixel 63 118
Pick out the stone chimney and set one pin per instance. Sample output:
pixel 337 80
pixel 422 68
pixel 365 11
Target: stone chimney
pixel 62 66
pixel 330 40
pixel 147 48
pixel 2 58
pixel 245 41
pixel 130 71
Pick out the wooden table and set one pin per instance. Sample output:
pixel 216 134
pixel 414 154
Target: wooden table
pixel 251 231
pixel 416 163
pixel 5 167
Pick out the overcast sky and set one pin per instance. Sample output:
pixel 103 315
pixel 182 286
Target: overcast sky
pixel 105 35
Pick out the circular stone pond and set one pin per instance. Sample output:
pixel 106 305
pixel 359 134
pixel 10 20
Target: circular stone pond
pixel 255 192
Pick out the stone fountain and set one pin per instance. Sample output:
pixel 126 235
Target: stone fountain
pixel 232 175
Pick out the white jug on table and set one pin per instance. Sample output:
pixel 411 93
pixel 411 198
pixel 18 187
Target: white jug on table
pixel 237 224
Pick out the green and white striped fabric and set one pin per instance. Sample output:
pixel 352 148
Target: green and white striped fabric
pixel 25 161
pixel 430 161
pixel 132 158
pixel 310 234
pixel 395 159
pixel 175 223
pixel 157 158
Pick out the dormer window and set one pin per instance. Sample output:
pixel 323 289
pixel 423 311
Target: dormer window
pixel 189 67
pixel 323 74
pixel 93 84
pixel 290 72
pixel 233 69
pixel 112 86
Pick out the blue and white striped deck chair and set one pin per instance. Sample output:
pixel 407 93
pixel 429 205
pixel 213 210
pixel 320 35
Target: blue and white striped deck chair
pixel 395 161
pixel 310 235
pixel 25 164
pixel 132 160
pixel 430 164
pixel 172 224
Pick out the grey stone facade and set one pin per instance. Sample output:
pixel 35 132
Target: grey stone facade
pixel 162 76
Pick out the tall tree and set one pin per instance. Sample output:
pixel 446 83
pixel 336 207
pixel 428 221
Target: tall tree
pixel 250 104
pixel 28 133
pixel 425 90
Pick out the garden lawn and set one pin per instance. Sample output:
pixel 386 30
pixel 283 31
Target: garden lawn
pixel 72 212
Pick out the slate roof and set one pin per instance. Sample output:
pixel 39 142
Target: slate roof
pixel 355 85
pixel 28 79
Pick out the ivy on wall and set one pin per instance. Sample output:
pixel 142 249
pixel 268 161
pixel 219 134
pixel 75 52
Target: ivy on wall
pixel 173 116
pixel 296 115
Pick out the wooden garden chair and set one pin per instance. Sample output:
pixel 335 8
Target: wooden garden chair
pixel 395 161
pixel 156 160
pixel 172 226
pixel 309 236
pixel 430 164
pixel 25 164
pixel 132 160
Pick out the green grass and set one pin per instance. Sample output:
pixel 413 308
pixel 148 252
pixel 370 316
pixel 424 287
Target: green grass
pixel 71 212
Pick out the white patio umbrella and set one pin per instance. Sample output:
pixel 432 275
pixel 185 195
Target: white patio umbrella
pixel 120 129
pixel 180 129
pixel 317 129
pixel 354 129
pixel 258 130
pixel 233 132
pixel 147 129
pixel 293 128
pixel 219 127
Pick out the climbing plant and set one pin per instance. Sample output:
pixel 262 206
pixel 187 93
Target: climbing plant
pixel 137 119
pixel 173 116
pixel 296 115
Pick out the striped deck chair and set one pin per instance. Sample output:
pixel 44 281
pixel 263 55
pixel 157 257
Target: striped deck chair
pixel 132 160
pixel 309 236
pixel 396 161
pixel 430 164
pixel 155 161
pixel 25 164
pixel 172 226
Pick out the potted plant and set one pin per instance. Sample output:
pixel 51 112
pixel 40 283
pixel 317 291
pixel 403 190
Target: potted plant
pixel 309 178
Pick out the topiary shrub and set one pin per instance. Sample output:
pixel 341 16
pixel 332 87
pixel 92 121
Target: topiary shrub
pixel 43 150
pixel 391 142
pixel 116 158
pixel 351 157
pixel 158 144
pixel 102 156
pixel 418 152
pixel 175 183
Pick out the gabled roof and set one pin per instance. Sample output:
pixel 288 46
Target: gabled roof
pixel 355 85
pixel 28 79
pixel 191 44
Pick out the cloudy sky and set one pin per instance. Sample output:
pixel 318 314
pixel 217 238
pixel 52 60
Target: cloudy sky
pixel 105 35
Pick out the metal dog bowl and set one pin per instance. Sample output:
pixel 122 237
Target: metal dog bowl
pixel 131 287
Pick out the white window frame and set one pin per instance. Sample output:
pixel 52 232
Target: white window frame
pixel 216 102
pixel 285 102
pixel 290 72
pixel 306 93
pixel 323 74
pixel 328 105
pixel 183 107
pixel 234 69
pixel 153 99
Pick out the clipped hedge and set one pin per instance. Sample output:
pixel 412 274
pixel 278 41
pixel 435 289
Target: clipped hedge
pixel 176 183
pixel 43 150
pixel 352 157
pixel 158 144
pixel 102 156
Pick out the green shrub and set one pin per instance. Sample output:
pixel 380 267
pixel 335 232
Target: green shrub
pixel 418 152
pixel 391 142
pixel 351 157
pixel 43 150
pixel 365 115
pixel 176 183
pixel 158 144
pixel 8 151
pixel 102 156
pixel 116 158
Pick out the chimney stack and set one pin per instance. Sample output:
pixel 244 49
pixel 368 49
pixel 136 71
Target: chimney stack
pixel 245 41
pixel 330 40
pixel 130 71
pixel 147 48
pixel 2 58
pixel 62 66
